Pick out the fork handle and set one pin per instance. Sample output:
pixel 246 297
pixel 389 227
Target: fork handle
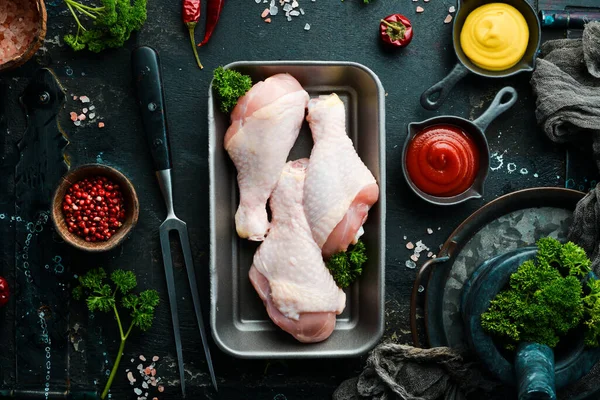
pixel 150 96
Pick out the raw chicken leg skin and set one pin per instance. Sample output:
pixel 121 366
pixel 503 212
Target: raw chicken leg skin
pixel 265 124
pixel 339 188
pixel 288 271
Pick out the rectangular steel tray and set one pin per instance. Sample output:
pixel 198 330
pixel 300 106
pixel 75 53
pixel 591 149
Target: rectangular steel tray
pixel 239 322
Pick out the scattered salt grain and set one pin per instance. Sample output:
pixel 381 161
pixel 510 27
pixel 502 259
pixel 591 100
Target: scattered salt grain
pixel 100 125
pixel 140 366
pixel 410 245
pixel 85 110
pixel 268 20
pixel 415 257
pixel 294 13
pixel 130 377
pixel 448 19
pixel 287 7
pixel 81 117
pixel 302 11
pixel 289 18
pixel 429 254
pixel 307 27
pixel 410 264
pixel 73 116
pixel 429 231
pixel 421 289
pixel 92 115
pixel 77 123
pixel 144 385
pixel 142 358
pixel 131 360
pixel 84 99
pixel 274 10
pixel 264 13
pixel 404 237
pixel 257 1
pixel 452 9
pixel 155 358
pixel 137 391
pixel 420 9
pixel 294 4
pixel 92 108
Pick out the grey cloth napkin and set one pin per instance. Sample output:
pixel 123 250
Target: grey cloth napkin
pixel 396 371
pixel 566 82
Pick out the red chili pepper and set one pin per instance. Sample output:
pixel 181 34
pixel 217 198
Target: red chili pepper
pixel 396 30
pixel 213 12
pixel 4 292
pixel 191 16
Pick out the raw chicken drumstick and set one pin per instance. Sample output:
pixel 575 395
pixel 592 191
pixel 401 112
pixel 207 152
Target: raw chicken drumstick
pixel 288 271
pixel 339 188
pixel 264 126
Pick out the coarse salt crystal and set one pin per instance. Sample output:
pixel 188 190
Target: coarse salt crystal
pixel 429 254
pixel 289 18
pixel 268 20
pixel 93 108
pixel 77 123
pixel 130 377
pixel 264 13
pixel 92 115
pixel 404 237
pixel 448 19
pixel 73 116
pixel 84 99
pixel 144 385
pixel 420 9
pixel 101 125
pixel 414 257
pixel 137 391
pixel 85 110
pixel 294 13
pixel 274 10
pixel 81 117
pixel 257 1
pixel 410 245
pixel 452 9
pixel 142 358
pixel 294 4
pixel 302 11
pixel 410 264
pixel 287 7
pixel 155 358
pixel 429 231
pixel 307 27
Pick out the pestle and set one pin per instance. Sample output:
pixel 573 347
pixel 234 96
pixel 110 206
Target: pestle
pixel 534 370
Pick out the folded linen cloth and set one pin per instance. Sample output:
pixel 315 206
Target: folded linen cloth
pixel 396 371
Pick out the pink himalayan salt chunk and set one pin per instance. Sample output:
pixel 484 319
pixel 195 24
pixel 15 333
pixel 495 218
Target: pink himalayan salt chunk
pixel 264 13
pixel 73 116
pixel 268 20
pixel 420 9
pixel 19 24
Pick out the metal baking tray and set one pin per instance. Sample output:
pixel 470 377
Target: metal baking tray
pixel 239 322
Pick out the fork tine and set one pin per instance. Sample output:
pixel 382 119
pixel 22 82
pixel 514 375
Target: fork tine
pixel 168 263
pixel 189 266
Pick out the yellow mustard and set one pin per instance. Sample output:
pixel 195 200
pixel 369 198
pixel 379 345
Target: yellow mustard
pixel 494 36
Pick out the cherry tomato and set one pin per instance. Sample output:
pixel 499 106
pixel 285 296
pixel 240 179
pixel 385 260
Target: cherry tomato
pixel 4 292
pixel 396 30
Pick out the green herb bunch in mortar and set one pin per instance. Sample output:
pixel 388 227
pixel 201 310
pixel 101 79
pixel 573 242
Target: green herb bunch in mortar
pixel 546 298
pixel 114 20
pixel 100 295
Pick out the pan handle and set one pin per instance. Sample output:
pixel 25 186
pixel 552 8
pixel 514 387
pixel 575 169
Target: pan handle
pixel 415 293
pixel 497 107
pixel 443 88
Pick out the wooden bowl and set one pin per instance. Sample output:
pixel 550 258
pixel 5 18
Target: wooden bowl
pixel 35 44
pixel 132 207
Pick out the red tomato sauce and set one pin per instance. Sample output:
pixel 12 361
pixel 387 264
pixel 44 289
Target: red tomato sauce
pixel 442 160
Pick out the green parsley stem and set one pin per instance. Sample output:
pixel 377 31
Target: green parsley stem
pixel 114 370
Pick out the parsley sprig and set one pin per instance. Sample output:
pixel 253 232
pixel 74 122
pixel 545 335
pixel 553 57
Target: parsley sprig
pixel 102 296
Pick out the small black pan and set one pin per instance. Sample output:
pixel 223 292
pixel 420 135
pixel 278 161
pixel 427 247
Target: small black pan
pixel 442 89
pixel 475 129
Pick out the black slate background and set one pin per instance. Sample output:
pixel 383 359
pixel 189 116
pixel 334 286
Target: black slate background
pixel 339 31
